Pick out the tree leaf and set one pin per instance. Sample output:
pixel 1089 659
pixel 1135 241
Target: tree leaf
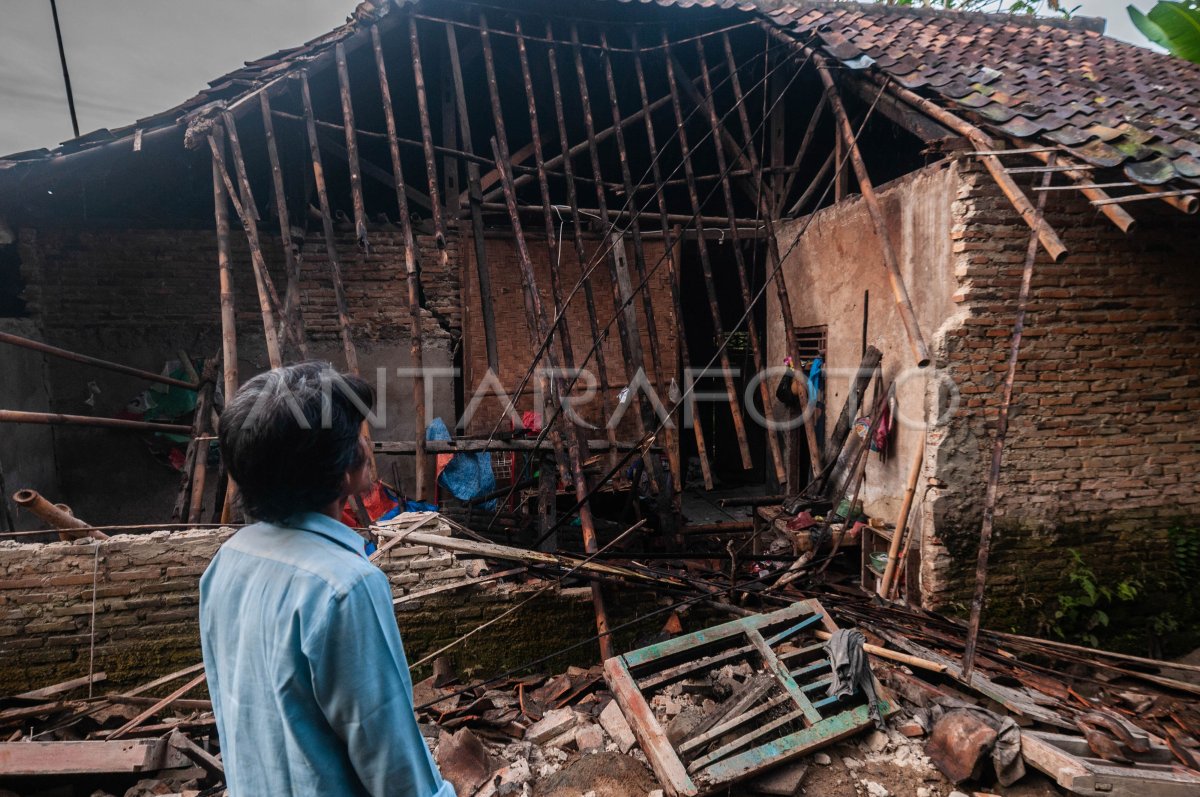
pixel 1150 30
pixel 1180 25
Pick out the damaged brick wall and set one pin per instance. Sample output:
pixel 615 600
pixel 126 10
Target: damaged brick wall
pixel 147 591
pixel 139 296
pixel 81 280
pixel 1103 447
pixel 516 347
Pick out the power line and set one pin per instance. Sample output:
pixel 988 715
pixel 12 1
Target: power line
pixel 62 56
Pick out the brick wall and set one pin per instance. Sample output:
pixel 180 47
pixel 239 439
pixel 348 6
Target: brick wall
pixel 146 599
pixel 516 346
pixel 1103 447
pixel 80 280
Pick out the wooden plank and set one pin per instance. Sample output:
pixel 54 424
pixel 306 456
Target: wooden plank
pixel 736 721
pixel 206 760
pixel 651 737
pixel 62 688
pixel 157 707
pixel 86 758
pixel 784 677
pixel 788 747
pixel 1069 762
pixel 166 679
pixel 733 706
pixel 439 224
pixel 648 655
pixel 745 739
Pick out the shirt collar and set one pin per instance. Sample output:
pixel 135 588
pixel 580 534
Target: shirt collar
pixel 329 528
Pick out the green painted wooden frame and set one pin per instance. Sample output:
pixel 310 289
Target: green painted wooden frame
pixel 623 673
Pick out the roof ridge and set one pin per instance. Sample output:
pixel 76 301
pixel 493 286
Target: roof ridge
pixel 1075 23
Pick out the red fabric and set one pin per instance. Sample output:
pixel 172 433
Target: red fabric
pixel 376 501
pixel 802 521
pixel 532 421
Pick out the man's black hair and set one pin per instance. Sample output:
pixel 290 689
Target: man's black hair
pixel 290 435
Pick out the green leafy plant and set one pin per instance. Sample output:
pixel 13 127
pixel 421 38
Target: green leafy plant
pixel 1175 26
pixel 1081 611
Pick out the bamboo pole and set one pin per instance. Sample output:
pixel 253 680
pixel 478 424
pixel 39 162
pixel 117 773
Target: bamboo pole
pixel 639 255
pixel 910 491
pixel 475 200
pixel 65 354
pixel 292 315
pixel 69 527
pixel 229 358
pixel 553 244
pixel 768 212
pixel 670 242
pixel 439 224
pixel 993 482
pixel 411 271
pixel 356 195
pixel 756 347
pixel 899 291
pixel 809 133
pixel 335 265
pixel 541 328
pixel 630 339
pixel 250 224
pixel 195 463
pixel 59 419
pixel 706 263
pixel 577 225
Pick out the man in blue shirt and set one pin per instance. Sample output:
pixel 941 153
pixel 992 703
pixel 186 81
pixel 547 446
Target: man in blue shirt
pixel 307 674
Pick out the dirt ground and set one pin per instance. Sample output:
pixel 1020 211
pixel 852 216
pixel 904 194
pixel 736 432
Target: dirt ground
pixel 872 765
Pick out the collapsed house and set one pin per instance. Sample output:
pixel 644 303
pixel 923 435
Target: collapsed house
pixel 626 255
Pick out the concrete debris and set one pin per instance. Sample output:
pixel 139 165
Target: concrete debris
pixel 822 759
pixel 464 761
pixel 508 781
pixel 589 738
pixel 552 724
pixel 617 727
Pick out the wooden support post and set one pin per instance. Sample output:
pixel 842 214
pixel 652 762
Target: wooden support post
pixel 335 264
pixel 756 347
pixel 770 212
pixel 639 255
pixel 475 198
pixel 553 243
pixel 411 271
pixel 910 491
pixel 356 194
pixel 291 315
pixel 705 262
pixel 250 223
pixel 547 499
pixel 630 347
pixel 439 225
pixel 672 241
pixel 540 328
pixel 993 482
pixel 228 308
pixel 577 239
pixel 903 304
pixel 192 475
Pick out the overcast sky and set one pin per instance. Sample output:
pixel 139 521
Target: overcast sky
pixel 133 58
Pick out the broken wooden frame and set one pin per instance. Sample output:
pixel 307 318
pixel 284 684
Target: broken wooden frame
pixel 797 719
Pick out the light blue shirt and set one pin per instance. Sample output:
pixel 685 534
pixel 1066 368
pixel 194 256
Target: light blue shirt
pixel 307 674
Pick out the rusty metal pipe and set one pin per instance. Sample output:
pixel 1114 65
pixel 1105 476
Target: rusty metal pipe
pixel 69 527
